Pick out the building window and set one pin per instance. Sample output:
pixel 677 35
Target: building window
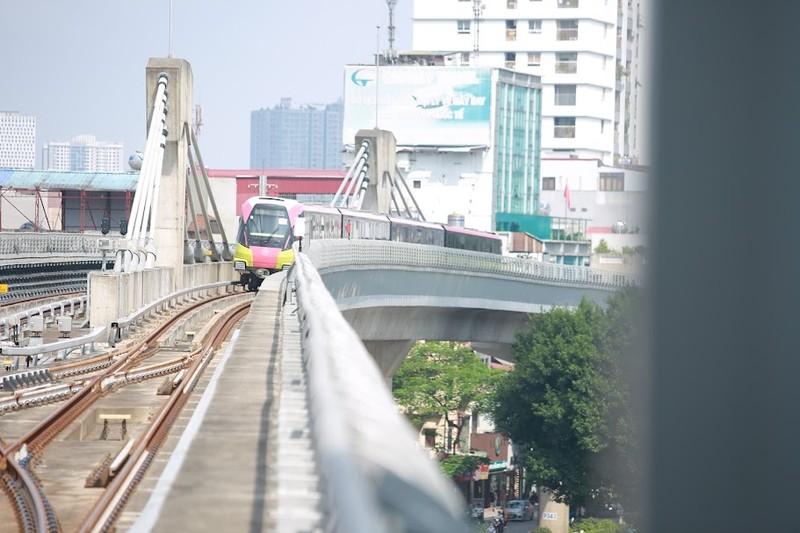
pixel 465 57
pixel 566 62
pixel 511 30
pixel 534 59
pixel 567 3
pixel 548 184
pixel 567 30
pixel 534 26
pixel 463 26
pixel 511 59
pixel 512 4
pixel 430 438
pixel 565 94
pixel 612 181
pixel 564 127
pixel 417 184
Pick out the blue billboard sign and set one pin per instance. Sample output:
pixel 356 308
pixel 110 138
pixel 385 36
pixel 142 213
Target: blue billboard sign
pixel 440 106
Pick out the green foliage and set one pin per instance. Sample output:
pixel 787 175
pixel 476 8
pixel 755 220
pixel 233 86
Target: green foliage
pixel 635 250
pixel 602 247
pixel 566 403
pixel 438 379
pixel 541 529
pixel 596 525
pixel 456 465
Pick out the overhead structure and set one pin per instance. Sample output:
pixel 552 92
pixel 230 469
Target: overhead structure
pixel 374 183
pixel 173 193
pixel 141 250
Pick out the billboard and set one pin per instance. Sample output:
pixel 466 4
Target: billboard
pixel 434 105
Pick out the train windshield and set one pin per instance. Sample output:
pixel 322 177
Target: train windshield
pixel 268 225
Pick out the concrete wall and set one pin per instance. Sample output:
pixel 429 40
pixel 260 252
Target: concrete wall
pixel 115 295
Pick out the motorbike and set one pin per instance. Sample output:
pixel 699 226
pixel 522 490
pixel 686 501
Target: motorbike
pixel 496 525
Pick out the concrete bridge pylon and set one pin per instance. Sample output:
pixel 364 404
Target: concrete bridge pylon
pixel 382 162
pixel 170 225
pixel 116 294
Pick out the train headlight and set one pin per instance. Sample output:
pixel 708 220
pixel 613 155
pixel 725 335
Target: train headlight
pixel 239 265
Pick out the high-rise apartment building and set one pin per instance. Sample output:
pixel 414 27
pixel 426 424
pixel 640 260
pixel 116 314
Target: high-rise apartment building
pixel 586 52
pixel 17 140
pixel 84 153
pixel 308 136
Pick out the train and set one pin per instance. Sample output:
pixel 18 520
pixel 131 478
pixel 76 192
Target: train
pixel 267 232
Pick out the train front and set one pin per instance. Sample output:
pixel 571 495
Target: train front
pixel 264 241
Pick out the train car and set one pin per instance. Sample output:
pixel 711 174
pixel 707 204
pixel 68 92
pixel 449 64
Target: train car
pixel 416 232
pixel 476 241
pixel 322 222
pixel 265 237
pixel 267 232
pixel 358 225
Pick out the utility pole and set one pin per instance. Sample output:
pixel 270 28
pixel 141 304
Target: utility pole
pixel 170 29
pixel 377 65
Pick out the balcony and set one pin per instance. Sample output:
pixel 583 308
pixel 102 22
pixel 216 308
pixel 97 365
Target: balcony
pixel 567 35
pixel 564 132
pixel 566 68
pixel 566 99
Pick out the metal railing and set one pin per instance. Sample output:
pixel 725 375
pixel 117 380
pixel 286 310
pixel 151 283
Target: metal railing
pixel 367 449
pixel 24 245
pixel 110 333
pixel 335 254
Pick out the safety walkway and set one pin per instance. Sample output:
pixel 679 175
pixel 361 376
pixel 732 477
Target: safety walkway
pixel 224 468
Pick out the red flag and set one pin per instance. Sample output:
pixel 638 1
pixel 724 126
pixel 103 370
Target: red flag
pixel 566 196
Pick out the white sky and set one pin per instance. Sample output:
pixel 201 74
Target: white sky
pixel 79 67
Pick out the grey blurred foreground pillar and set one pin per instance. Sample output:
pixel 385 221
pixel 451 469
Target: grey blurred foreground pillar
pixel 725 271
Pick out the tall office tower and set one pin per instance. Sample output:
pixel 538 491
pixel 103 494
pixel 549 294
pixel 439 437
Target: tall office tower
pixel 84 153
pixel 307 137
pixel 587 53
pixel 17 140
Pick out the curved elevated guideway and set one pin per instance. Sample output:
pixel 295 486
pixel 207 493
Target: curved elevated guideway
pixel 297 423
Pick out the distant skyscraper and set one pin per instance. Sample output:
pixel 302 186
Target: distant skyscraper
pixel 17 140
pixel 309 136
pixel 85 154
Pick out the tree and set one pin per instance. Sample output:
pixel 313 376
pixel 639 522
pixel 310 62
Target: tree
pixel 602 247
pixel 438 379
pixel 566 403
